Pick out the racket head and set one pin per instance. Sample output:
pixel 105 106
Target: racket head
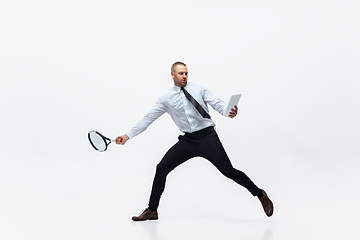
pixel 98 141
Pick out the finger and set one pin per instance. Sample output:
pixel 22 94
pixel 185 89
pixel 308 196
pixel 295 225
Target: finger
pixel 233 113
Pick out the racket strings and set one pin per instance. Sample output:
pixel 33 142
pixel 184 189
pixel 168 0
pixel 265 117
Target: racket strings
pixel 97 141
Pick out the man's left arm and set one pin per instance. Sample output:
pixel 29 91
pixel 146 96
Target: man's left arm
pixel 217 104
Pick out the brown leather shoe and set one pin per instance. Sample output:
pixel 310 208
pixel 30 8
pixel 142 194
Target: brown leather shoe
pixel 267 204
pixel 147 214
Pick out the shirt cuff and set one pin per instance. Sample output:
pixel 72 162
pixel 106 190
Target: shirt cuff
pixel 130 134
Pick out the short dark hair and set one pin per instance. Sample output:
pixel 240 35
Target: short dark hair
pixel 173 67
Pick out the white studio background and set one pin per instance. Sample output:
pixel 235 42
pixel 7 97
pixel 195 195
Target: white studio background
pixel 68 67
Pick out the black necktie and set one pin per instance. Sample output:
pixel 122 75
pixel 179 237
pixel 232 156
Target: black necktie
pixel 196 104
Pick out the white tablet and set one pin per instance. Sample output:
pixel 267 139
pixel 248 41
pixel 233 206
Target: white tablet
pixel 234 100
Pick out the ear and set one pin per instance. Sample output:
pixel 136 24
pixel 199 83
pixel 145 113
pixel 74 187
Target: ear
pixel 172 74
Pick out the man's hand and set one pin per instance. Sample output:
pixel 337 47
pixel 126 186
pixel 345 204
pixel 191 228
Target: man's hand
pixel 122 139
pixel 233 112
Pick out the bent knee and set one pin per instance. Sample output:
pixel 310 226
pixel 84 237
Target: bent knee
pixel 230 173
pixel 163 169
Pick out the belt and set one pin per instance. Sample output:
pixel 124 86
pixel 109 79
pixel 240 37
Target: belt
pixel 199 134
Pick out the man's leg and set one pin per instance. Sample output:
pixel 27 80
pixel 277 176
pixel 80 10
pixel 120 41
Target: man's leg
pixel 211 148
pixel 182 151
pixel 179 153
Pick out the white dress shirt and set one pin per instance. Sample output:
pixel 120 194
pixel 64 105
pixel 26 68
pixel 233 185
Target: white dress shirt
pixel 181 110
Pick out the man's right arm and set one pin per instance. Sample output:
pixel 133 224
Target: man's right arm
pixel 144 123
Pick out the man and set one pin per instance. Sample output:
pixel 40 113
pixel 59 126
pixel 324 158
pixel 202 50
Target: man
pixel 187 105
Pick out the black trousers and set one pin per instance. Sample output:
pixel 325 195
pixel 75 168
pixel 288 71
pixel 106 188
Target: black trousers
pixel 204 143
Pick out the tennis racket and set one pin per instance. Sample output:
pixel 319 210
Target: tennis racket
pixel 99 141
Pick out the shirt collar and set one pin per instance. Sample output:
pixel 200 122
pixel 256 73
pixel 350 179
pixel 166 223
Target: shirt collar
pixel 176 88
